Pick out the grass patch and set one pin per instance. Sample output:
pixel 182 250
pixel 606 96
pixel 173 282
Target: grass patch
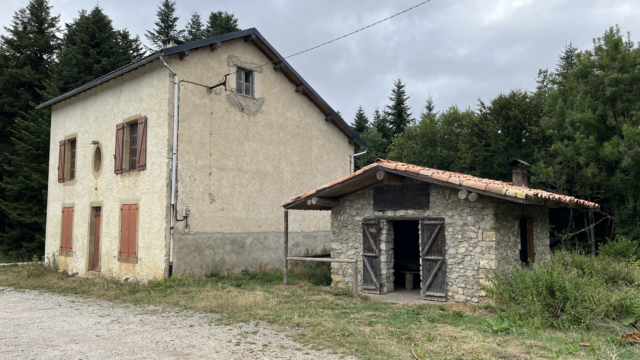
pixel 331 319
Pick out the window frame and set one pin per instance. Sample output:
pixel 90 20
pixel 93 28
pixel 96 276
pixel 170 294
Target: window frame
pixel 72 158
pixel 243 71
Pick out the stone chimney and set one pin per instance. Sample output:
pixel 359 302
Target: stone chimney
pixel 520 178
pixel 171 41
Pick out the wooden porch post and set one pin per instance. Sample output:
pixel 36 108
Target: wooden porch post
pixel 286 246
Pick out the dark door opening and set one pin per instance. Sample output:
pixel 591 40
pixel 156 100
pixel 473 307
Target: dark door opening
pixel 406 255
pixel 527 249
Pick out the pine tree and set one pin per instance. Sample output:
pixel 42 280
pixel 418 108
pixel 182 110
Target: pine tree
pixel 167 25
pixel 429 110
pixel 381 124
pixel 195 28
pixel 360 122
pixel 398 113
pixel 221 22
pixel 27 53
pixel 91 49
pixel 131 46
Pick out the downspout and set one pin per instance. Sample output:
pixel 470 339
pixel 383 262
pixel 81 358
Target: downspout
pixel 353 161
pixel 174 158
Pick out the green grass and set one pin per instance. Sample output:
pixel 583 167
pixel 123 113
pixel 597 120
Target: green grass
pixel 333 319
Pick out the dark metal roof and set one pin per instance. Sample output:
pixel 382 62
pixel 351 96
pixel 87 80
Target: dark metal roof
pixel 251 35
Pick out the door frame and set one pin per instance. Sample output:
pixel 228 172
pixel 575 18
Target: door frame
pixel 88 254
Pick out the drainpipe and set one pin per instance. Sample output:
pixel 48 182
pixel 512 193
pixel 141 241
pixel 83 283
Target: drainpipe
pixel 174 156
pixel 353 161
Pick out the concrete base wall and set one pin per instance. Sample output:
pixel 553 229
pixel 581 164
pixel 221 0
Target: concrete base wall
pixel 201 253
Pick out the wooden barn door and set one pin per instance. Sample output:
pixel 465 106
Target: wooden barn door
pixel 432 251
pixel 371 256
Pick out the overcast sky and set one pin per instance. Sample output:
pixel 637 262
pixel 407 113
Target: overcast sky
pixel 457 51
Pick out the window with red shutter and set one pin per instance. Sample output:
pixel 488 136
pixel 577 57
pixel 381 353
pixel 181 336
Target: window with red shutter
pixel 61 153
pixel 67 229
pixel 141 155
pixel 128 231
pixel 119 149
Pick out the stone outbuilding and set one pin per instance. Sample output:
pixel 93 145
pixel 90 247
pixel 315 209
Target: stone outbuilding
pixel 438 232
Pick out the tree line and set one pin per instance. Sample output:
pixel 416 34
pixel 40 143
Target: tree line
pixel 579 129
pixel 40 58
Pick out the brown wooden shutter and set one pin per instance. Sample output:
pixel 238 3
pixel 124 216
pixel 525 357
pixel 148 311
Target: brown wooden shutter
pixel 432 250
pixel 61 161
pixel 119 148
pixel 371 255
pixel 128 230
pixel 141 156
pixel 531 250
pixel 67 229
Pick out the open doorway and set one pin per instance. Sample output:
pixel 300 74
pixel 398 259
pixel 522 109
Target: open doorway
pixel 406 256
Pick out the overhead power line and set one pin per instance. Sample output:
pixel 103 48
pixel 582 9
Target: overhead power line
pixel 341 37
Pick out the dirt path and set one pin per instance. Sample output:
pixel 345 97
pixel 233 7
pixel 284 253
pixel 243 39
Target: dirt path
pixel 36 325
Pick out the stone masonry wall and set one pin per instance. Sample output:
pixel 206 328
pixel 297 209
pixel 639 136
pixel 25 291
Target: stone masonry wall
pixel 470 235
pixel 508 235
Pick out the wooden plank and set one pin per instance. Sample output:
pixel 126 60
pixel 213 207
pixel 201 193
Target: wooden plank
pixel 325 202
pixel 285 274
pixel 404 197
pixel 314 259
pixel 433 257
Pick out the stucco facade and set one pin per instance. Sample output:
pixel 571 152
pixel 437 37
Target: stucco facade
pixel 94 115
pixel 237 158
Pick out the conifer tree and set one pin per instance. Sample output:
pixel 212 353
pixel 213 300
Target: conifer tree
pixel 91 49
pixel 397 112
pixel 167 25
pixel 27 53
pixel 131 46
pixel 361 122
pixel 221 22
pixel 195 28
pixel 381 124
pixel 429 110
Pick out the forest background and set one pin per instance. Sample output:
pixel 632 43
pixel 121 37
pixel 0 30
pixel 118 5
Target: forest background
pixel 579 129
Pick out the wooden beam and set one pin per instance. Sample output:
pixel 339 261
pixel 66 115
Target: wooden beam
pixel 329 118
pixel 301 89
pixel 285 274
pixel 473 197
pixel 319 201
pixel 250 38
pixel 382 175
pixel 183 54
pixel 279 67
pixel 463 194
pixel 352 140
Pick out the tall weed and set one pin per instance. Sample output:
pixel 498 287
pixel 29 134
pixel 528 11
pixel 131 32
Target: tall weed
pixel 572 291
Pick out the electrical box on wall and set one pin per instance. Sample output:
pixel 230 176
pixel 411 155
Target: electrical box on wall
pixel 186 211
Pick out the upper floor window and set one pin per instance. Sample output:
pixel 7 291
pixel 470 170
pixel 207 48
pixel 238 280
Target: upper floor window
pixel 244 82
pixel 67 160
pixel 131 146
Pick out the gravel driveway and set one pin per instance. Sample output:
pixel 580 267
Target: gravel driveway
pixel 36 325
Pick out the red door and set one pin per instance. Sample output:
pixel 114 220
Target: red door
pixel 96 244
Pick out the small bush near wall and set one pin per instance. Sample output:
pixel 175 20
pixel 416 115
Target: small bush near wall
pixel 621 248
pixel 572 291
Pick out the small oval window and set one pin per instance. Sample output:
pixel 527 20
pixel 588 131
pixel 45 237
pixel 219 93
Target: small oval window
pixel 97 159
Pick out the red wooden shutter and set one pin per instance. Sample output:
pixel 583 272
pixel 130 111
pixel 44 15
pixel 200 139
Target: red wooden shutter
pixel 119 148
pixel 67 229
pixel 128 230
pixel 61 161
pixel 530 243
pixel 141 156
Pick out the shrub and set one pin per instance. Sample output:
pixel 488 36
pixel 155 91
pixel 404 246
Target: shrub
pixel 570 291
pixel 620 248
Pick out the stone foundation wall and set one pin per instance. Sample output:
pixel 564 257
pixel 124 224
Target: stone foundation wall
pixel 470 235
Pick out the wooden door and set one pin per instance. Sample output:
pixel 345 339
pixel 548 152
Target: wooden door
pixel 432 252
pixel 96 242
pixel 371 256
pixel 531 250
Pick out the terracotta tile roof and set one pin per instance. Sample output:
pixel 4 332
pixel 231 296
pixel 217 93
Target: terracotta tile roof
pixel 486 186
